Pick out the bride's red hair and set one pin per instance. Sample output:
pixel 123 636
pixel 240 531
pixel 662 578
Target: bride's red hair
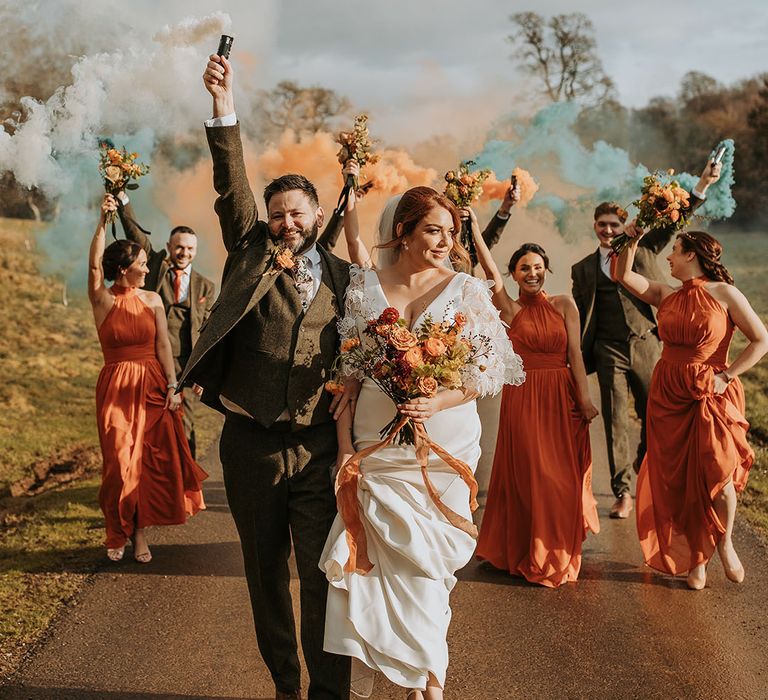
pixel 414 205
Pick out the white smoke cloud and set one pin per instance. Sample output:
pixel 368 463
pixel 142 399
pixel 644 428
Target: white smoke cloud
pixel 141 82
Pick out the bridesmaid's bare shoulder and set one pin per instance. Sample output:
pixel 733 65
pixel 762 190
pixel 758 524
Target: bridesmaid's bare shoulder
pixel 151 299
pixel 726 294
pixel 563 303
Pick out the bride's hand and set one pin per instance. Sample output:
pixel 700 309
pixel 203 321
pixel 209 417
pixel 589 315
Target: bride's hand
pixel 420 409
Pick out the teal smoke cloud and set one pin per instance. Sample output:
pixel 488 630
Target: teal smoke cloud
pixel 549 142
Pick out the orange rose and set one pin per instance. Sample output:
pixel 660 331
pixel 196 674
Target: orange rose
pixel 465 180
pixel 427 386
pixel 414 357
pixel 114 155
pixel 667 194
pixel 403 339
pixel 284 259
pixel 334 387
pixel 460 318
pixel 112 173
pixel 674 215
pixel 450 176
pixel 434 347
pixel 349 344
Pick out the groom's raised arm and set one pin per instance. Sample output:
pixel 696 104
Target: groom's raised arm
pixel 235 205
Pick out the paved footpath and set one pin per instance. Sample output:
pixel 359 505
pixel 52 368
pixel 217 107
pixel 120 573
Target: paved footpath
pixel 181 626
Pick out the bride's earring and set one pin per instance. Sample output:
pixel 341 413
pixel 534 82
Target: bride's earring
pixel 404 245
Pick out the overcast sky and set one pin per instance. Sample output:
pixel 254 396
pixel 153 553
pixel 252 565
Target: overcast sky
pixel 645 48
pixel 420 57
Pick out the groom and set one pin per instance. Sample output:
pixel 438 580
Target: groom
pixel 619 338
pixel 262 359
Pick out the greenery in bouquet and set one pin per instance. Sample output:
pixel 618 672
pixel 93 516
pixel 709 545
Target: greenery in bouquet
pixel 463 187
pixel 119 168
pixel 407 364
pixel 357 145
pixel 663 204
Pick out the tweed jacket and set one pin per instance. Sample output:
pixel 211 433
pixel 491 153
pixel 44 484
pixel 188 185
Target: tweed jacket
pixel 248 269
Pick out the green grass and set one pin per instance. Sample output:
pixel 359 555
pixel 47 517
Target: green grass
pixel 745 255
pixel 50 359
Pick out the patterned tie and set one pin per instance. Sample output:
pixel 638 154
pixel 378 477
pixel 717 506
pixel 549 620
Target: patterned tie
pixel 302 278
pixel 177 285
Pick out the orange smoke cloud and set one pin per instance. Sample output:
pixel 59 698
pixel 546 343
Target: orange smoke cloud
pixel 189 195
pixel 496 189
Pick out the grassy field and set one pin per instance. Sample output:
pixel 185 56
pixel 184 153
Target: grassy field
pixel 49 361
pixel 745 256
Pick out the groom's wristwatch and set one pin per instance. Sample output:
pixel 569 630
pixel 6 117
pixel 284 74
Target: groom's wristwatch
pixel 173 385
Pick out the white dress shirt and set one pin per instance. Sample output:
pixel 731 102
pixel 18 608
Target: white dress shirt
pixel 605 260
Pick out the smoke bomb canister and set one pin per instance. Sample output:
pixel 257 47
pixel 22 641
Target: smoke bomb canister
pixel 225 45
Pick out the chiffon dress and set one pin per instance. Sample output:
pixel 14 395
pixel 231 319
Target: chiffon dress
pixel 540 504
pixel 395 618
pixel 697 440
pixel 149 476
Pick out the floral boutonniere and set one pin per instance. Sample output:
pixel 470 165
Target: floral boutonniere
pixel 282 259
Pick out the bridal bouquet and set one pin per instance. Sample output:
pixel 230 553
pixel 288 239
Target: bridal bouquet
pixel 357 145
pixel 405 365
pixel 464 187
pixel 118 167
pixel 663 204
pixel 408 364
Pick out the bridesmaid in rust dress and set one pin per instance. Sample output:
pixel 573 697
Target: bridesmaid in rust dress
pixel 149 476
pixel 698 457
pixel 540 504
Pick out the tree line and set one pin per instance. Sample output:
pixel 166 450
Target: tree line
pixel 560 54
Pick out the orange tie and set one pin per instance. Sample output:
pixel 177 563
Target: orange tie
pixel 177 285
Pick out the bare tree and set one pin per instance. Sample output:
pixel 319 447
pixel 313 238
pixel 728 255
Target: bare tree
pixel 562 53
pixel 303 109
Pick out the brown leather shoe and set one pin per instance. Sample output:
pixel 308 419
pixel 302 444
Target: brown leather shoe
pixel 622 507
pixel 280 695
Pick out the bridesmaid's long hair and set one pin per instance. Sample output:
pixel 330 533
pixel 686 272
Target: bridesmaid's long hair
pixel 413 206
pixel 708 251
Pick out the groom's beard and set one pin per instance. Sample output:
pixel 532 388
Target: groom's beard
pixel 303 243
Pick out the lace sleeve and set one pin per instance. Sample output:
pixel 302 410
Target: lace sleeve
pixel 356 313
pixel 484 328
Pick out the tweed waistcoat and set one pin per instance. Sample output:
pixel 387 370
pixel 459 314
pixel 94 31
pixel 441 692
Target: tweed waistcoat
pixel 279 357
pixel 616 313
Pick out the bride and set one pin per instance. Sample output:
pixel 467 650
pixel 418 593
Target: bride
pixel 394 619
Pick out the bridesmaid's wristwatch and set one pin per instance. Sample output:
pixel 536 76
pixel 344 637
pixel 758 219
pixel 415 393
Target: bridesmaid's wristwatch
pixel 728 378
pixel 173 385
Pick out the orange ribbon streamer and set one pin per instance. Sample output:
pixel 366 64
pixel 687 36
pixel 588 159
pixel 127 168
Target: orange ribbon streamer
pixel 347 482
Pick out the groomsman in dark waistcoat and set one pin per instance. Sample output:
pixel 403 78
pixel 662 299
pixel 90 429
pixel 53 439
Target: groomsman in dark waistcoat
pixel 187 295
pixel 619 338
pixel 263 358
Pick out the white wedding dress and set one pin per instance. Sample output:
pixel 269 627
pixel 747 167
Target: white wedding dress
pixel 395 618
